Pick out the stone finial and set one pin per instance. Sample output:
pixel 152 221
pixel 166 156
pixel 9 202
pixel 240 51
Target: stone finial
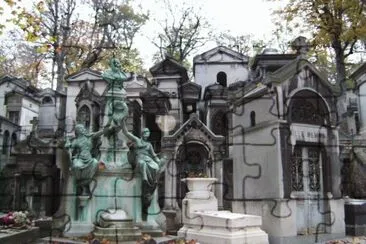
pixel 301 45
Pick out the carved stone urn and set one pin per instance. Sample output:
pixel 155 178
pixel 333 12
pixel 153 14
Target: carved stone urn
pixel 199 187
pixel 199 183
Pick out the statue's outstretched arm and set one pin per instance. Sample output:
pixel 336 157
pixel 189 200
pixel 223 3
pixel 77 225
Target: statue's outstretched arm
pixel 127 133
pixel 100 133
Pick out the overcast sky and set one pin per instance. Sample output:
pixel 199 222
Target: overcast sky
pixel 240 17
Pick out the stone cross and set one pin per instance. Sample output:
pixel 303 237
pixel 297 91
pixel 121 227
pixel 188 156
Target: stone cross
pixel 301 45
pixel 34 123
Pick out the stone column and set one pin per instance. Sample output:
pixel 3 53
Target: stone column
pixel 16 196
pixel 219 185
pixel 170 203
pixel 170 184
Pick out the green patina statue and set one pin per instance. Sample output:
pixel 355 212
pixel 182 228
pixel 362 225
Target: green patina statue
pixel 116 105
pixel 117 110
pixel 83 165
pixel 147 163
pixel 114 76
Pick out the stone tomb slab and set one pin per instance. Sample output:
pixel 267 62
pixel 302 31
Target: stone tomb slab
pixel 227 219
pixel 12 236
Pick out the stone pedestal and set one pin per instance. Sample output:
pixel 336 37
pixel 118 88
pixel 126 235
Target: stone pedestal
pixel 116 225
pixel 115 189
pixel 171 225
pixel 114 146
pixel 114 151
pixel 204 223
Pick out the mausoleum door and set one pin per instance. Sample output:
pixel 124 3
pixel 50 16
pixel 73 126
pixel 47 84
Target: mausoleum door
pixel 308 188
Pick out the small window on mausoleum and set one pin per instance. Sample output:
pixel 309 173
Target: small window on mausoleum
pixel 84 116
pixel 6 142
pixel 221 78
pixel 13 116
pixel 357 122
pixel 14 139
pixel 47 100
pixel 252 118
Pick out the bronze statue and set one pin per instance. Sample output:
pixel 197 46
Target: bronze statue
pixel 117 107
pixel 114 76
pixel 117 110
pixel 147 164
pixel 83 165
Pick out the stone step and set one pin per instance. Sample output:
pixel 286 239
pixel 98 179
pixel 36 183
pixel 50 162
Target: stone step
pixel 119 224
pixel 58 240
pixel 153 233
pixel 119 237
pixel 116 230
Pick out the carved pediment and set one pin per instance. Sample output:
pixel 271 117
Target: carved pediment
pixel 136 82
pixel 221 54
pixel 47 92
pixel 83 75
pixel 193 130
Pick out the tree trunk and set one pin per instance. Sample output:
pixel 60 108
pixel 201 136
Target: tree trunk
pixel 340 64
pixel 60 59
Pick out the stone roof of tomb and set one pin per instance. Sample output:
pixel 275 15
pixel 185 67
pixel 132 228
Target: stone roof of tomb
pixel 169 67
pixel 192 130
pixel 221 54
pixel 84 74
pixel 292 68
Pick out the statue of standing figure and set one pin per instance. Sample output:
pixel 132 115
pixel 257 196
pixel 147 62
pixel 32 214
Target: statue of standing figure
pixel 147 163
pixel 114 76
pixel 83 164
pixel 117 108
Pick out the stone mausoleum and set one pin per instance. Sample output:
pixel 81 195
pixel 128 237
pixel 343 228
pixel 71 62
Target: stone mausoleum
pixel 266 131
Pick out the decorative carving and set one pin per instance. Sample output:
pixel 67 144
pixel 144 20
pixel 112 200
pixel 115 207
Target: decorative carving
pixel 296 170
pixel 314 169
pixel 311 163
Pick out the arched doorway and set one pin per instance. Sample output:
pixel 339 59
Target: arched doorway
pixel 192 159
pixel 309 118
